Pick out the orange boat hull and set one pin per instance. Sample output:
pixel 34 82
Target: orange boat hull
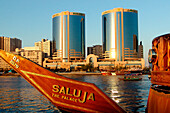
pixel 66 94
pixel 106 73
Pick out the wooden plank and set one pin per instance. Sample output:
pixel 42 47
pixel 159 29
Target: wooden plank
pixel 160 78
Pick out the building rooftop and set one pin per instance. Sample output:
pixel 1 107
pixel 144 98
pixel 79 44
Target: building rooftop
pixel 68 13
pixel 119 10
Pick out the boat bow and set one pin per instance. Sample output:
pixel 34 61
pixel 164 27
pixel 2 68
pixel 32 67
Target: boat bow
pixel 66 94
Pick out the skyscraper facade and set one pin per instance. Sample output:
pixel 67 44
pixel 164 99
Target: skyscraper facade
pixel 69 36
pixel 10 44
pixel 120 33
pixel 1 42
pixel 96 50
pixel 140 50
pixel 45 46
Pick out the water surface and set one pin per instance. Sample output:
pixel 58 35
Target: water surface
pixel 17 95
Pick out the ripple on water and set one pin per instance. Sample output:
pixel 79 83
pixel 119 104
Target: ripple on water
pixel 17 95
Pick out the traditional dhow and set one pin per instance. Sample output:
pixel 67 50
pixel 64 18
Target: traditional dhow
pixel 159 56
pixel 66 94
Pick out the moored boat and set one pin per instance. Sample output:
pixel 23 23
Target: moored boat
pixel 106 73
pixel 159 94
pixel 66 94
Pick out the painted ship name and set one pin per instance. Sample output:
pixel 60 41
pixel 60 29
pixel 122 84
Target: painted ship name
pixel 74 95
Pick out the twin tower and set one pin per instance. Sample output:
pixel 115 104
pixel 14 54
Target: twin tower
pixel 119 35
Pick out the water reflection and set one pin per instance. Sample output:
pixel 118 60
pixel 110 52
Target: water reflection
pixel 131 95
pixel 17 95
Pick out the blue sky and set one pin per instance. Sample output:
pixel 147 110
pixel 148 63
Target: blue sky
pixel 31 20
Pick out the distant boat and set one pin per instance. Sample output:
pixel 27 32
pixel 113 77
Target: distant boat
pixel 106 73
pixel 66 94
pixel 113 73
pixel 131 77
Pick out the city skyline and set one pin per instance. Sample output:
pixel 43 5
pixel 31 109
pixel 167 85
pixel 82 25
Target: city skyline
pixel 31 21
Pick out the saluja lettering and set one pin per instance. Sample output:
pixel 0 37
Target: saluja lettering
pixel 75 93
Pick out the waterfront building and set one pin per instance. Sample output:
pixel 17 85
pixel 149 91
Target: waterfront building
pixel 4 65
pixel 8 44
pixel 34 54
pixel 69 36
pixel 140 50
pixel 96 50
pixel 2 43
pixel 120 34
pixel 120 41
pixel 138 63
pixel 45 46
pixel 89 50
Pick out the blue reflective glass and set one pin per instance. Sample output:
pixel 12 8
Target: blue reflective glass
pixel 77 33
pixel 56 32
pixel 126 36
pixel 130 29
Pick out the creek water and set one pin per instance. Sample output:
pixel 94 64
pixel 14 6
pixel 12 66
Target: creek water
pixel 17 95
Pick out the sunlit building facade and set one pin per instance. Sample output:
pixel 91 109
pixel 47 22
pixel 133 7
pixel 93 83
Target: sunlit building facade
pixel 120 34
pixel 8 44
pixel 69 36
pixel 96 50
pixel 45 46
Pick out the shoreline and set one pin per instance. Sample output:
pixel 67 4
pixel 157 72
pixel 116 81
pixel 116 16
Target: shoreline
pixel 60 73
pixel 10 74
pixel 63 73
pixel 78 73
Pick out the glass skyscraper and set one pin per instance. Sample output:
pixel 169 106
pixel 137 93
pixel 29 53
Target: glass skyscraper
pixel 69 35
pixel 120 33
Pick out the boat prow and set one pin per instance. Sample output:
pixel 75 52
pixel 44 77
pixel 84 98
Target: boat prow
pixel 66 94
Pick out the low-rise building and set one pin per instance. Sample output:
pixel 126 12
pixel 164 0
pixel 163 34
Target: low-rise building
pixel 45 46
pixel 34 54
pixel 135 63
pixel 8 44
pixel 4 65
